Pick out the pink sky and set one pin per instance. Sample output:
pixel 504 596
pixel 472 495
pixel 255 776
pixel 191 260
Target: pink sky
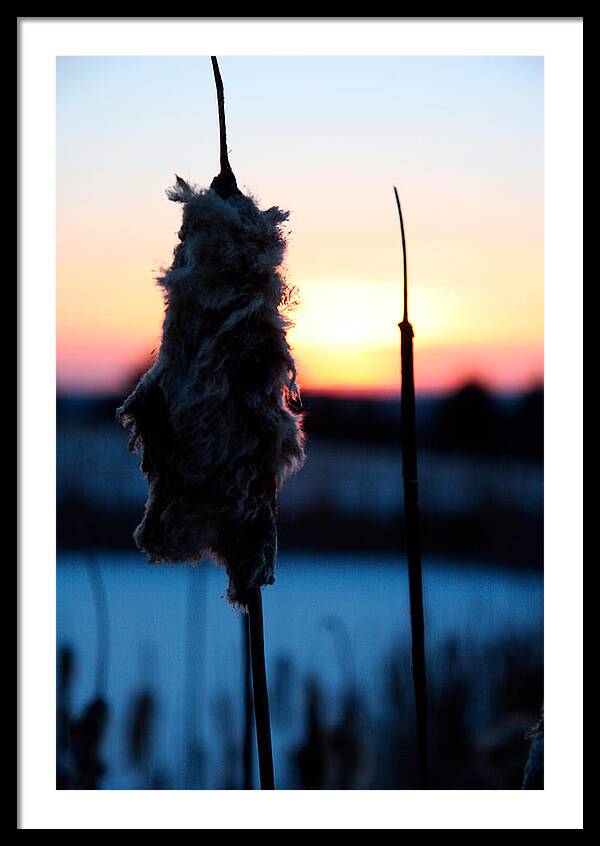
pixel 326 138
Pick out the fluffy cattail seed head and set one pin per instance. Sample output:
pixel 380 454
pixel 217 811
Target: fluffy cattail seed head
pixel 215 418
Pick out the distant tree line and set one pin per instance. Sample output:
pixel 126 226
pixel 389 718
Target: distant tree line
pixel 471 420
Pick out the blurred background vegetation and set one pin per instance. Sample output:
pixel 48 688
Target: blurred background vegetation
pixel 150 660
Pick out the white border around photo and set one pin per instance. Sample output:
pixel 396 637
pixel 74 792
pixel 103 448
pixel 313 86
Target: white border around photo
pixel 559 805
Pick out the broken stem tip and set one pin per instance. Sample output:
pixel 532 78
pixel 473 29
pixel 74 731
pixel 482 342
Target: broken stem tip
pixel 221 106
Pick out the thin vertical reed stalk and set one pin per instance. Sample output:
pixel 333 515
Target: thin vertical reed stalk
pixel 224 184
pixel 223 157
pixel 102 622
pixel 248 706
pixel 261 695
pixel 411 515
pixel 195 664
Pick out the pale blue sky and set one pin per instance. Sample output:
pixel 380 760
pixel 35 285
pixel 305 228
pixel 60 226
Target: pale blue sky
pixel 326 138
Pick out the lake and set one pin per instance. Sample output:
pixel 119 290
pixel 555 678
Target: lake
pixel 336 618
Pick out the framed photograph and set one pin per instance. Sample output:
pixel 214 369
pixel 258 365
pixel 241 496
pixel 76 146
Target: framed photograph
pixel 300 433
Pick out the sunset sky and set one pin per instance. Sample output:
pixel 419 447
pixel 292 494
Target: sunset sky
pixel 326 138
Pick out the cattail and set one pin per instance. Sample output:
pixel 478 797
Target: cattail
pixel 248 707
pixel 412 528
pixel 216 418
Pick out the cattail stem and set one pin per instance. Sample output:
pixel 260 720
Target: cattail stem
pixel 248 705
pixel 224 159
pixel 195 639
pixel 224 184
pixel 102 623
pixel 404 270
pixel 261 695
pixel 411 515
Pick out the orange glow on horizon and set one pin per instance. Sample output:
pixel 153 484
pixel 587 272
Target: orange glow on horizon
pixel 344 336
pixel 471 184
